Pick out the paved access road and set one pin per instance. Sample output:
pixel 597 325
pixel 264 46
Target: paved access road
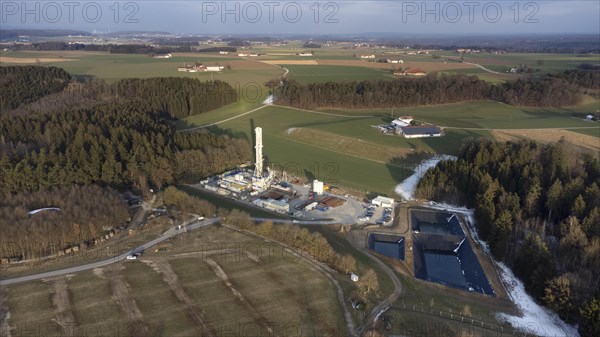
pixel 189 225
pixel 165 236
pixel 370 320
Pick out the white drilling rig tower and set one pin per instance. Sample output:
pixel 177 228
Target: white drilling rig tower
pixel 258 165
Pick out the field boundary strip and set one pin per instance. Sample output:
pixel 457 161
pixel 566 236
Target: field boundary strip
pixel 324 113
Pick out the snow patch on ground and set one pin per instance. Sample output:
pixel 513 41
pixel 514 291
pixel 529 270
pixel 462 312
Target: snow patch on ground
pixel 534 318
pixel 268 100
pixel 468 214
pixel 407 188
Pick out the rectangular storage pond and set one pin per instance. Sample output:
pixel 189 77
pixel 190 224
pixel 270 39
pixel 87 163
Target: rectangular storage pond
pixel 443 254
pixel 444 268
pixel 435 222
pixel 389 245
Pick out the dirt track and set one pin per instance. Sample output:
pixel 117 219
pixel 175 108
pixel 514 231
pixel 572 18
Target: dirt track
pixel 4 313
pixel 121 295
pixel 260 319
pixel 169 276
pixel 63 306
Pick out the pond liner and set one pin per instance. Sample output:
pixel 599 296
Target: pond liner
pixel 435 222
pixel 389 245
pixel 449 260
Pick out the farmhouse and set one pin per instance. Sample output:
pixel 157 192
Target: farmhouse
pixel 411 72
pixel 243 55
pixel 199 68
pixel 402 121
pixel 371 56
pixel 162 56
pixel 394 61
pixel 420 131
pixel 191 68
pixel 468 51
pixel 223 52
pixel 305 54
pixel 214 68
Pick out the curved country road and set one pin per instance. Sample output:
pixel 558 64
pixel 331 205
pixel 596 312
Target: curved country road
pixel 165 236
pixel 386 303
pixel 367 323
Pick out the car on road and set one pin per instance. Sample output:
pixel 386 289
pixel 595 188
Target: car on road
pixel 295 221
pixel 132 256
pixel 200 218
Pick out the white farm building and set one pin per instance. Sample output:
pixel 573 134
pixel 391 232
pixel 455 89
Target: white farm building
pixel 383 201
pixel 420 131
pixel 402 121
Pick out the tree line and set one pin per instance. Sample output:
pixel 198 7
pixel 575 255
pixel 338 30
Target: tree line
pixel 109 48
pixel 313 244
pixel 217 49
pixel 538 207
pixel 86 212
pixel 174 198
pixel 179 97
pixel 427 90
pixel 25 84
pixel 586 77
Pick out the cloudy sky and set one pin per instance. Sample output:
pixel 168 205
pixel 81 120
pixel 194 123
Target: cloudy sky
pixel 308 17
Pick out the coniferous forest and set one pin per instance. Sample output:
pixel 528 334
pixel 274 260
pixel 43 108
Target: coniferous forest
pixel 60 151
pixel 19 85
pixel 538 207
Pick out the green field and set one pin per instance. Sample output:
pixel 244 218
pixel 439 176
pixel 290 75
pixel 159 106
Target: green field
pixel 113 67
pixel 312 160
pixel 492 115
pixel 325 73
pixel 322 158
pixel 549 62
pixel 339 148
